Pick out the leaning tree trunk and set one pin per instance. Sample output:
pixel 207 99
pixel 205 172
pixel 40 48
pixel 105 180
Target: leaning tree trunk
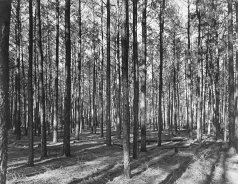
pixel 5 12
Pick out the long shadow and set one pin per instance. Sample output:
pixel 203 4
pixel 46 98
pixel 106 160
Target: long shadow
pixel 80 153
pixel 113 170
pixel 177 173
pixel 99 177
pixel 224 167
pixel 218 157
pixel 110 172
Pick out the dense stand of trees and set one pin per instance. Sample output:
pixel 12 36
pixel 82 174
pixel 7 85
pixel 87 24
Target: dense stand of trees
pixel 164 71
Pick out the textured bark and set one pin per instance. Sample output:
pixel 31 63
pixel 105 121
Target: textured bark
pixel 56 111
pixel 5 11
pixel 119 73
pixel 136 81
pixel 231 102
pixel 78 120
pixel 125 88
pixel 108 114
pixel 236 86
pixel 42 94
pixel 30 89
pixel 217 74
pixel 67 103
pixel 102 62
pixel 199 90
pixel 160 115
pixel 18 82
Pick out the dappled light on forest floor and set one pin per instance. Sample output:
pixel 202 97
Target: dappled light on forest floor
pixel 93 162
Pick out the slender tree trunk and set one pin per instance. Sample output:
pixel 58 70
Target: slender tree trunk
pixel 102 76
pixel 17 78
pixel 231 102
pixel 108 114
pixel 236 86
pixel 125 88
pixel 119 71
pixel 77 126
pixel 199 91
pixel 67 103
pixel 136 81
pixel 143 80
pixel 42 97
pixel 160 115
pixel 94 113
pixel 30 89
pixel 56 119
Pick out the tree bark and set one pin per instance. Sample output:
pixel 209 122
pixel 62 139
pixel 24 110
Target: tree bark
pixel 108 114
pixel 56 118
pixel 160 115
pixel 136 81
pixel 236 86
pixel 143 80
pixel 231 102
pixel 78 120
pixel 125 88
pixel 42 96
pixel 5 12
pixel 18 82
pixel 67 103
pixel 102 76
pixel 30 89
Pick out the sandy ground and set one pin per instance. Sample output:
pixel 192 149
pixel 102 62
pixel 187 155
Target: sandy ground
pixel 92 162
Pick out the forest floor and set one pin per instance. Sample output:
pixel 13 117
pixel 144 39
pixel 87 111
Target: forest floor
pixel 92 162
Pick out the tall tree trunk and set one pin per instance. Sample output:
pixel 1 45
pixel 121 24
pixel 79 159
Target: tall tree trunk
pixel 125 88
pixel 30 89
pixel 199 91
pixel 18 82
pixel 190 129
pixel 231 102
pixel 143 80
pixel 119 72
pixel 42 96
pixel 77 127
pixel 160 115
pixel 174 85
pixel 67 103
pixel 102 61
pixel 94 113
pixel 108 114
pixel 5 12
pixel 236 86
pixel 136 81
pixel 56 111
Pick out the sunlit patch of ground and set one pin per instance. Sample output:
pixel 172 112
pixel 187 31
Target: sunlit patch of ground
pixel 92 162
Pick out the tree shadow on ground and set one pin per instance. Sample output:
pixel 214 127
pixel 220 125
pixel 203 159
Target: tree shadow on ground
pixel 80 154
